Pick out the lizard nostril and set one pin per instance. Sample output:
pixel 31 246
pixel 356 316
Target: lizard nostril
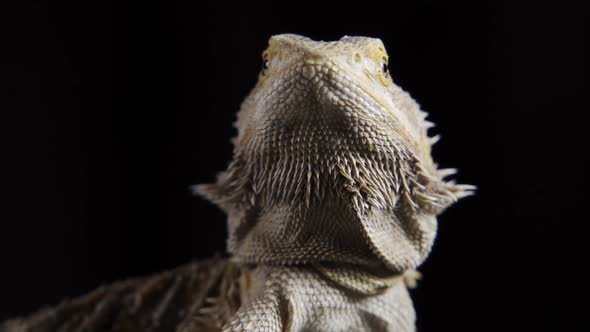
pixel 357 57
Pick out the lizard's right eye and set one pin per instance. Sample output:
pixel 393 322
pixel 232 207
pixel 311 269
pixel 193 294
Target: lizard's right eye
pixel 265 67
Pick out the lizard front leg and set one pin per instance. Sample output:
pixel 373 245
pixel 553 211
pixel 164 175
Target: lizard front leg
pixel 302 299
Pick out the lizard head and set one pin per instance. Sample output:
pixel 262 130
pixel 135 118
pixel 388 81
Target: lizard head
pixel 331 162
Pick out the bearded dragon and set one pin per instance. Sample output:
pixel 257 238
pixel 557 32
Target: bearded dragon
pixel 331 197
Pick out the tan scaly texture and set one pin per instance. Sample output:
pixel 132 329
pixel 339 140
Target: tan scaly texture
pixel 331 162
pixel 332 173
pixel 331 197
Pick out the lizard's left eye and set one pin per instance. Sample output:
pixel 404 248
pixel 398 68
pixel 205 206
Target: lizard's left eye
pixel 385 67
pixel 383 72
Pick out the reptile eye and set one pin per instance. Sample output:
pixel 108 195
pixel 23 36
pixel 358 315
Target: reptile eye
pixel 265 65
pixel 384 75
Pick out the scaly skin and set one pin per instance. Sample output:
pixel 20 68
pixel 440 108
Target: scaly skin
pixel 331 196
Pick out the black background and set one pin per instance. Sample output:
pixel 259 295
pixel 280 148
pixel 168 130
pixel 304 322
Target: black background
pixel 112 109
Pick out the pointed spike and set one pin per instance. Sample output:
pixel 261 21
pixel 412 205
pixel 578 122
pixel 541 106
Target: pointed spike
pixel 466 187
pixel 428 124
pixel 410 200
pixel 434 139
pixel 445 172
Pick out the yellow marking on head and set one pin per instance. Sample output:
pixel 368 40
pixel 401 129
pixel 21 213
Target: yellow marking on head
pixel 376 52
